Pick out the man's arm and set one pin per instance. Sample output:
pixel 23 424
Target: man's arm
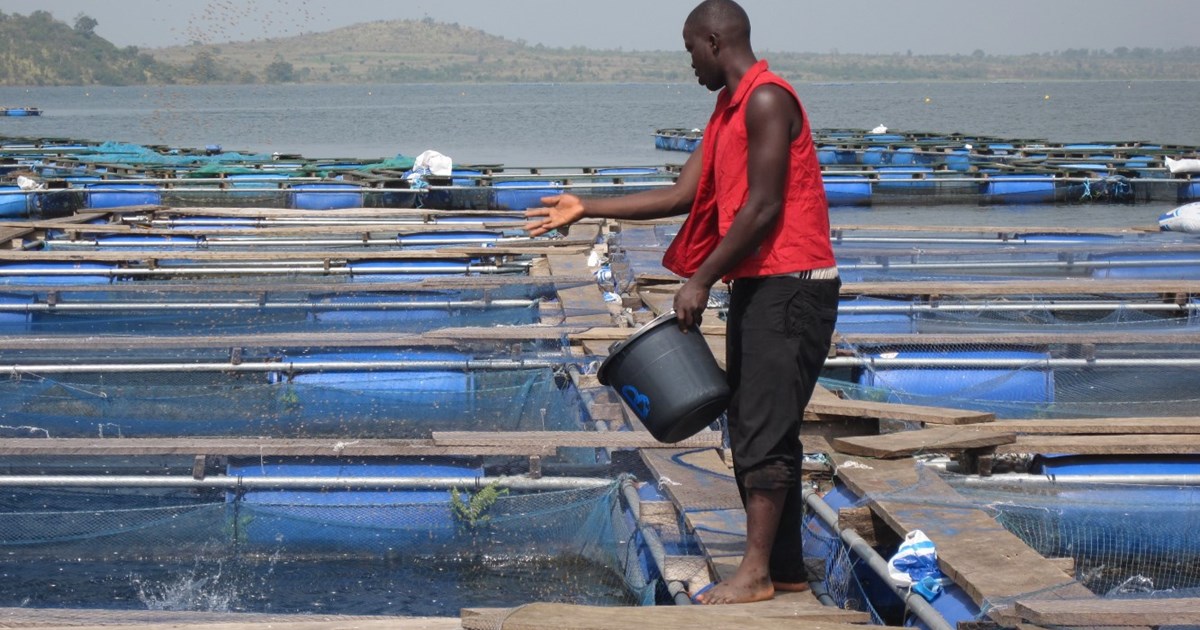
pixel 563 210
pixel 771 115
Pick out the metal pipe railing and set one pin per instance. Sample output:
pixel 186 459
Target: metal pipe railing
pixel 266 306
pixel 1011 364
pixel 513 482
pixel 285 367
pixel 658 554
pixel 914 601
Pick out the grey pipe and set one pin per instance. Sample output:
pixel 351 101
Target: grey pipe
pixel 514 482
pixel 1011 364
pixel 910 308
pixel 999 264
pixel 658 553
pixel 287 367
pixel 316 268
pixel 256 306
pixel 914 601
pixel 1022 479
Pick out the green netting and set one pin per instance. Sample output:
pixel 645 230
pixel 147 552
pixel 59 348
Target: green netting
pixel 202 550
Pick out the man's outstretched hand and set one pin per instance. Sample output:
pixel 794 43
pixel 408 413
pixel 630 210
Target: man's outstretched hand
pixel 557 211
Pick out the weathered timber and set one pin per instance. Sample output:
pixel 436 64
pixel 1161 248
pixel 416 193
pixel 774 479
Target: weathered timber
pixel 771 615
pixel 908 443
pixel 1111 612
pixel 1143 444
pixel 586 439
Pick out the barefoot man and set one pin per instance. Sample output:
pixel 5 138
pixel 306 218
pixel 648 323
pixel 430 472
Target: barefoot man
pixel 758 219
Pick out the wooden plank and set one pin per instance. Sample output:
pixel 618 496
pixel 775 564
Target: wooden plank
pixel 586 439
pixel 1167 444
pixel 582 305
pixel 834 405
pixel 764 615
pixel 257 446
pixel 86 619
pixel 1111 612
pixel 991 564
pixel 908 443
pixel 1097 426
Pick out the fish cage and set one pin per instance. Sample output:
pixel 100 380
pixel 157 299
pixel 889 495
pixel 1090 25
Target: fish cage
pixel 419 538
pixel 1088 376
pixel 165 390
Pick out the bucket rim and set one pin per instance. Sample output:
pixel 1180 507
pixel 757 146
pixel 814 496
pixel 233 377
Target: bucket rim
pixel 620 346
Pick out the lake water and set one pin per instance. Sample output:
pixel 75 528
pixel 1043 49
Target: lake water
pixel 601 124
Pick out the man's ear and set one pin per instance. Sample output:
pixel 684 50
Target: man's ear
pixel 714 43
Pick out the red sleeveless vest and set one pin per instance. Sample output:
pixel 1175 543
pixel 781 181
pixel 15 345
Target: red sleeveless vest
pixel 800 240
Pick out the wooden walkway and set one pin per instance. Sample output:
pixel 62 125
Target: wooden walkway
pixel 995 568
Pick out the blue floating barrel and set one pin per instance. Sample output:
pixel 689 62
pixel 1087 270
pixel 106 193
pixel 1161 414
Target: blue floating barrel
pixel 349 519
pixel 326 196
pixel 1189 191
pixel 875 156
pixel 1135 519
pixel 124 194
pixel 15 321
pixel 959 386
pixel 959 160
pixel 43 273
pixel 15 203
pixel 847 190
pixel 383 400
pixel 1146 265
pixel 519 195
pixel 1020 188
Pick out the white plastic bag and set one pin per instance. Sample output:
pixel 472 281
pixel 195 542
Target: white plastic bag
pixel 915 560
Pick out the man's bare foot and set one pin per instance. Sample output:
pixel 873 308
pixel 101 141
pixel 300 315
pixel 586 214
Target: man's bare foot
pixel 790 587
pixel 736 591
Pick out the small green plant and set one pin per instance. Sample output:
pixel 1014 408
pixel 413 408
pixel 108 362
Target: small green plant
pixel 470 511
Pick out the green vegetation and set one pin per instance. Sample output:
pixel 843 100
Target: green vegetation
pixel 470 511
pixel 37 50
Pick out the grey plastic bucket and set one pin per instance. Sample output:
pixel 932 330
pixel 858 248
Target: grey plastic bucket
pixel 669 379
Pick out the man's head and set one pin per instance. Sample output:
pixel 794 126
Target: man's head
pixel 716 34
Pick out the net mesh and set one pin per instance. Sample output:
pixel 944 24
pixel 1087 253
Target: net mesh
pixel 135 549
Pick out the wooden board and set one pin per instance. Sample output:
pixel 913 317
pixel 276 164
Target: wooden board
pixel 1111 612
pixel 991 564
pixel 825 402
pixel 1171 444
pixel 907 443
pixel 764 615
pixel 1097 426
pixel 583 305
pixel 85 619
pixel 587 439
pixel 1033 337
pixel 255 447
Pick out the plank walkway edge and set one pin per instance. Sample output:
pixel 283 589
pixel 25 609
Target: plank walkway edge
pixel 254 447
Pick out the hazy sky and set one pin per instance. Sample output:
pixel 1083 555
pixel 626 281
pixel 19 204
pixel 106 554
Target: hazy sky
pixel 866 26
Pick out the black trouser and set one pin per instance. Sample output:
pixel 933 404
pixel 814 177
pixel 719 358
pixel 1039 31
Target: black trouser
pixel 778 335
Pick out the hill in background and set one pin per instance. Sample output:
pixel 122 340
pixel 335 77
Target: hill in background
pixel 37 50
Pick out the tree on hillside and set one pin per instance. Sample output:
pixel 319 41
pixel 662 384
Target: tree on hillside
pixel 85 24
pixel 280 71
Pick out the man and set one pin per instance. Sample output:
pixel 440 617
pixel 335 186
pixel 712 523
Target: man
pixel 757 217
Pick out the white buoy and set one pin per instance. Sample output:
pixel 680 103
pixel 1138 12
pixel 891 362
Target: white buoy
pixel 1185 218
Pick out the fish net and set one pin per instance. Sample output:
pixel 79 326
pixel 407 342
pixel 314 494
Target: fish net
pixel 422 553
pixel 1119 541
